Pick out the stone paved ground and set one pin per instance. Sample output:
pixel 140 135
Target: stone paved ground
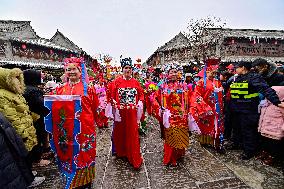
pixel 201 168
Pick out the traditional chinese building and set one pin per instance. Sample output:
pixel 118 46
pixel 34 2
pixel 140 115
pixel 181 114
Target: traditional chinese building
pixel 249 44
pixel 176 50
pixel 235 45
pixel 20 46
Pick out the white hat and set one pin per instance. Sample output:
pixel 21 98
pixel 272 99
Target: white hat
pixel 188 75
pixel 51 84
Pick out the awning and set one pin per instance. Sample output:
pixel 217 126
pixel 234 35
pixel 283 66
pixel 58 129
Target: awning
pixel 41 64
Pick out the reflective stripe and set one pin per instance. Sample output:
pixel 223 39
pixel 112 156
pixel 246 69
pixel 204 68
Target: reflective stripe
pixel 239 85
pixel 239 92
pixel 235 91
pixel 235 96
pixel 253 95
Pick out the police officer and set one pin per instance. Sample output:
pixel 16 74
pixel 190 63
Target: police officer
pixel 245 89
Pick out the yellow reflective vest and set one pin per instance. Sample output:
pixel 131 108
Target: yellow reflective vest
pixel 241 91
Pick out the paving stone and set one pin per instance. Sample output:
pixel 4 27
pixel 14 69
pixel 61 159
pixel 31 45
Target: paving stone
pixel 120 174
pixel 162 176
pixel 203 166
pixel 200 168
pixel 53 179
pixel 230 183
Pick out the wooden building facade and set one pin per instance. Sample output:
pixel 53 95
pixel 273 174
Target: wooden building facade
pixel 235 45
pixel 20 46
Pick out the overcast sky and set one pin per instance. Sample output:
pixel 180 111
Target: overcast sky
pixel 135 28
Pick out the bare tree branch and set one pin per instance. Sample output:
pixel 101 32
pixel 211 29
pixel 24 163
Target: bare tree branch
pixel 204 35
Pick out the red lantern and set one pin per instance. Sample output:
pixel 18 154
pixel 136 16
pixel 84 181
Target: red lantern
pixel 233 41
pixel 51 51
pixel 275 42
pixel 24 46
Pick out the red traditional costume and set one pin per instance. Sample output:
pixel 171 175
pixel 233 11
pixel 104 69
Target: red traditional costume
pixel 84 157
pixel 174 98
pixel 101 93
pixel 126 95
pixel 150 90
pixel 207 110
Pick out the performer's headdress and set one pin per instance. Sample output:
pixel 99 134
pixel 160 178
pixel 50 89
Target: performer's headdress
pixel 174 65
pixel 73 61
pixel 125 62
pixel 210 65
pixel 80 64
pixel 166 68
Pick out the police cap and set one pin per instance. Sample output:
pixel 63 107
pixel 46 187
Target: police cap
pixel 247 65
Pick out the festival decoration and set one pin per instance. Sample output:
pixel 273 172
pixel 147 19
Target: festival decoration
pixel 107 60
pixel 24 46
pixel 64 126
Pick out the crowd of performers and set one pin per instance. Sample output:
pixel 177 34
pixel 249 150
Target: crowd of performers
pixel 213 106
pixel 241 104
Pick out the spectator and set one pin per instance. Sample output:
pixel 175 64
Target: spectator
pixel 14 107
pixel 15 171
pixel 34 97
pixel 224 77
pixel 268 70
pixel 244 106
pixel 271 127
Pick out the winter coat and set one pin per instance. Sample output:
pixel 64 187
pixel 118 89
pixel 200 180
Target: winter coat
pixel 33 95
pixel 276 79
pixel 272 77
pixel 14 106
pixel 256 84
pixel 14 170
pixel 271 122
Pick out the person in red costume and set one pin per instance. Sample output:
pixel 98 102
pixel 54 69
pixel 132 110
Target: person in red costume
pixel 101 93
pixel 77 85
pixel 173 99
pixel 207 107
pixel 127 100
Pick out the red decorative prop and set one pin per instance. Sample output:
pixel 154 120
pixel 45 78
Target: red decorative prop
pixel 63 140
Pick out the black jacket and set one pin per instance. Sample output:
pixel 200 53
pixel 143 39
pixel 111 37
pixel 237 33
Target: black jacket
pixel 33 94
pixel 276 79
pixel 256 84
pixel 272 77
pixel 34 97
pixel 14 170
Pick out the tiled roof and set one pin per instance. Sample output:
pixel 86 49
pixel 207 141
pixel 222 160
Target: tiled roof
pixel 178 42
pixel 251 33
pixel 67 40
pixel 12 26
pixel 250 58
pixel 42 42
